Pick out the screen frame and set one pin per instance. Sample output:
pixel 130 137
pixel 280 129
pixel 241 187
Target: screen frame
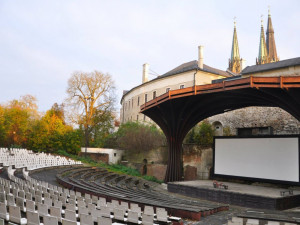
pixel 254 179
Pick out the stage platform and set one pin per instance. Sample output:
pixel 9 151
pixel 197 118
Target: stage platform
pixel 251 196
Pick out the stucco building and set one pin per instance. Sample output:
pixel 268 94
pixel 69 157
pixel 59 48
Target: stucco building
pixel 186 75
pixel 197 73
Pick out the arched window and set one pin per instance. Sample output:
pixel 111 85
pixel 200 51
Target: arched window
pixel 218 127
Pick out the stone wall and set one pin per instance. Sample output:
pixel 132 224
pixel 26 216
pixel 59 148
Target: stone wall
pixel 199 158
pixel 281 121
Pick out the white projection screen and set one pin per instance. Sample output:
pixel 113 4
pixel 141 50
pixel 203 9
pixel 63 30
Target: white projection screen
pixel 270 158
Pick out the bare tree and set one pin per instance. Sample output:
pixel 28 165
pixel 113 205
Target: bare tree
pixel 88 93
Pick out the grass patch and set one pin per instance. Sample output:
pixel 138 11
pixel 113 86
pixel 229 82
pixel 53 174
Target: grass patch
pixel 116 168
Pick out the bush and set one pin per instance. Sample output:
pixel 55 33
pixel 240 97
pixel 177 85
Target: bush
pixel 227 131
pixel 136 138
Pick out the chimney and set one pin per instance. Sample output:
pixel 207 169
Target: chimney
pixel 243 64
pixel 145 72
pixel 200 57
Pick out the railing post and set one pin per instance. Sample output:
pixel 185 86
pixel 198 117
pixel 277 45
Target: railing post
pixel 281 82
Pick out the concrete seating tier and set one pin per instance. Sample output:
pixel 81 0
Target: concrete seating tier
pixel 113 186
pixel 41 209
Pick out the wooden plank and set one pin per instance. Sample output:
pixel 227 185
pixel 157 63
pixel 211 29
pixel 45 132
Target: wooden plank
pixel 266 79
pixel 267 85
pixel 183 95
pixel 291 79
pixel 291 85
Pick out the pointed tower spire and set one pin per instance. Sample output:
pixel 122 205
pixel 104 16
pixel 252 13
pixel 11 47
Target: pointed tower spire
pixel 262 53
pixel 234 61
pixel 271 47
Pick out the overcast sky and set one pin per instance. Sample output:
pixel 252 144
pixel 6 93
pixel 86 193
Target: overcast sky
pixel 43 42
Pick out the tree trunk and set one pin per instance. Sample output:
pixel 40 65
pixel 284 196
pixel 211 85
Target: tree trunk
pixel 86 137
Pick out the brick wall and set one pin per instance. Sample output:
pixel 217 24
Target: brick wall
pixel 97 156
pixel 157 170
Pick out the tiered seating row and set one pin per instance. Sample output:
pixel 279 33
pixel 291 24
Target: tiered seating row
pixel 20 158
pixel 247 221
pixel 119 187
pixel 33 202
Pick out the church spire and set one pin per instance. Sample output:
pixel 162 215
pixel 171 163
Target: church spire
pixel 262 53
pixel 271 47
pixel 234 61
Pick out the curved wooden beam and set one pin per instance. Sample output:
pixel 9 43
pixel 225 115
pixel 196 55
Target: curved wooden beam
pixel 178 111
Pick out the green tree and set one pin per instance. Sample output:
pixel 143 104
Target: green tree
pixel 72 141
pixel 136 138
pixel 204 134
pixel 190 137
pixel 201 134
pixel 103 126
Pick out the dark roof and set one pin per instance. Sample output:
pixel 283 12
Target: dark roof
pixel 226 79
pixel 272 66
pixel 185 67
pixel 193 65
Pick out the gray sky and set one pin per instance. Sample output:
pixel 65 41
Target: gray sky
pixel 43 42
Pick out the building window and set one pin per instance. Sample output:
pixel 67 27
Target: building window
pixel 145 98
pixel 138 103
pixel 132 103
pixel 167 90
pixel 144 117
pixel 154 94
pixel 115 154
pixel 181 86
pixel 252 131
pixel 129 105
pixel 137 117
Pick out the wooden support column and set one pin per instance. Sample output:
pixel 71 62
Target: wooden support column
pixel 174 168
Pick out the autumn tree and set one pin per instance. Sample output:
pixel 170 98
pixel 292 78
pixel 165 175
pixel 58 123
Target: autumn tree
pixel 51 133
pixel 89 94
pixel 16 120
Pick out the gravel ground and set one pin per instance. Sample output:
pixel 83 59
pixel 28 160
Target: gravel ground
pixel 219 218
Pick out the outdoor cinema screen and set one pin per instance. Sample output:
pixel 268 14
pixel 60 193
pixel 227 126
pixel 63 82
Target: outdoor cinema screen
pixel 271 158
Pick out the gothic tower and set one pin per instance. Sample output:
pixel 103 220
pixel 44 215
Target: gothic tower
pixel 271 47
pixel 262 52
pixel 235 60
